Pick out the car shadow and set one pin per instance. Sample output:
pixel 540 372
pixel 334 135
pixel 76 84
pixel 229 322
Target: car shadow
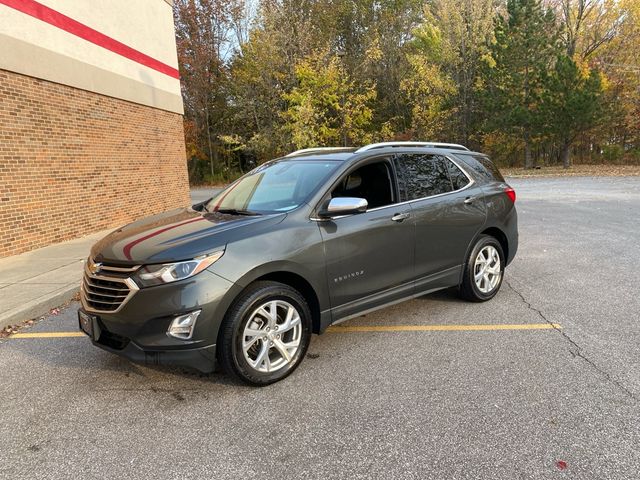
pixel 99 370
pixel 446 295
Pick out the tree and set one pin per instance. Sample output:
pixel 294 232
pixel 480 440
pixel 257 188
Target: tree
pixel 588 25
pixel 515 78
pixel 284 33
pixel 572 103
pixel 431 91
pixel 526 44
pixel 203 35
pixel 326 107
pixel 619 62
pixel 455 36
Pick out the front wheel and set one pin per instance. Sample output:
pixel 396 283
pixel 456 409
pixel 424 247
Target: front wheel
pixel 265 334
pixel 483 271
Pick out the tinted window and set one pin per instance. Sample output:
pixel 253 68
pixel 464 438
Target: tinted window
pixel 422 176
pixel 458 178
pixel 483 167
pixel 274 187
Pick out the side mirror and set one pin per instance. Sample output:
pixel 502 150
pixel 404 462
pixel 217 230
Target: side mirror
pixel 344 206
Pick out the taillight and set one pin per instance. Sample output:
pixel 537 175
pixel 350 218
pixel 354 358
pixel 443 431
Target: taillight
pixel 511 193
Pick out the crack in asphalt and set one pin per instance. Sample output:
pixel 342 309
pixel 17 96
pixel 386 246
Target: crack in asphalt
pixel 577 349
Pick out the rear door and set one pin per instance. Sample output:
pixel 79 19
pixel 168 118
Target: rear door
pixel 369 256
pixel 447 209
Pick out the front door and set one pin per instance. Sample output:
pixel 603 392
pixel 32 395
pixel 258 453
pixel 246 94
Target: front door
pixel 369 256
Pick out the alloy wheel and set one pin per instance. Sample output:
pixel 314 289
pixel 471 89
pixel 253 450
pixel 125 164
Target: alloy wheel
pixel 271 336
pixel 487 272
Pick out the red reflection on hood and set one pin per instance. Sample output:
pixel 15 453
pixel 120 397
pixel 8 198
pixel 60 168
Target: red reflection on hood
pixel 127 248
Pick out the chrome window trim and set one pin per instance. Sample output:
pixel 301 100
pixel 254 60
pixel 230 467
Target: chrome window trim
pixel 468 185
pixel 133 289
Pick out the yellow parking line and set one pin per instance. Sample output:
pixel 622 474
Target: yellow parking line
pixel 367 328
pixel 48 335
pixel 440 328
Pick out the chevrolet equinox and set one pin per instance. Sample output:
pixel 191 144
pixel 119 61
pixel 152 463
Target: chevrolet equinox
pixel 299 243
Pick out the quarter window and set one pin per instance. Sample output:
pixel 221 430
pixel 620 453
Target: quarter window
pixel 458 178
pixel 483 167
pixel 422 175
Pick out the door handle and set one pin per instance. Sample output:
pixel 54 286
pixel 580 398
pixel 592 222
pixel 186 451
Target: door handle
pixel 469 200
pixel 398 217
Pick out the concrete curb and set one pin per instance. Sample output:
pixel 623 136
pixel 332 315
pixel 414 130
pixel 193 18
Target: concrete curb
pixel 39 306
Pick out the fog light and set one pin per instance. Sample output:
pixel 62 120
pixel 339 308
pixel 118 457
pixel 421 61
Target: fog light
pixel 182 327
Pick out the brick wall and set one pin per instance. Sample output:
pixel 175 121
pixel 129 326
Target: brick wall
pixel 74 162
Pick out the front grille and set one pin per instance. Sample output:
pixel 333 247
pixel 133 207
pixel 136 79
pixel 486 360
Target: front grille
pixel 107 289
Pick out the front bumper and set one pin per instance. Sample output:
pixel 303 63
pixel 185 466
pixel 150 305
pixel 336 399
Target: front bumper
pixel 199 358
pixel 138 331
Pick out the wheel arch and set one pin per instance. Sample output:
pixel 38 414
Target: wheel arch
pixel 499 235
pixel 494 232
pixel 301 285
pixel 287 274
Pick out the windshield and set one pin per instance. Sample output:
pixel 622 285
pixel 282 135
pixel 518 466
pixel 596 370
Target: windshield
pixel 275 187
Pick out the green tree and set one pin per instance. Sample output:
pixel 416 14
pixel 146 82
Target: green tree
pixel 326 108
pixel 504 76
pixel 284 33
pixel 571 103
pixel 431 92
pixel 455 36
pixel 526 45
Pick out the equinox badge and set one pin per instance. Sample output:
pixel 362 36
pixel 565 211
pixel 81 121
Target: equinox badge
pixel 348 276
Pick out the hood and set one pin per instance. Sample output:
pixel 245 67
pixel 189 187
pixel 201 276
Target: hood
pixel 175 235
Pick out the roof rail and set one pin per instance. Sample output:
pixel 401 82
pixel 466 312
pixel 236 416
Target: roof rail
pixel 452 146
pixel 318 149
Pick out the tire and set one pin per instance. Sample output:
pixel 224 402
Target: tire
pixel 261 348
pixel 469 288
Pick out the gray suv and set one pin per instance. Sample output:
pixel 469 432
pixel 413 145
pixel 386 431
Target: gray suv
pixel 297 244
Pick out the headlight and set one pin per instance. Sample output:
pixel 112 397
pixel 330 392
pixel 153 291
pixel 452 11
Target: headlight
pixel 150 275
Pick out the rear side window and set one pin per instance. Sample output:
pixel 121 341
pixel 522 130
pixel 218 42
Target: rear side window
pixel 483 167
pixel 421 176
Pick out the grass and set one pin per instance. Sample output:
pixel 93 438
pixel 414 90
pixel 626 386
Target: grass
pixel 575 171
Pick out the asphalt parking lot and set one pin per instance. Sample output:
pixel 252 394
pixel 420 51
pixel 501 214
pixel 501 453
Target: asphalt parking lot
pixel 538 403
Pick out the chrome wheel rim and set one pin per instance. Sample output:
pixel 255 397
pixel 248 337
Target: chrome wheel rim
pixel 487 271
pixel 271 336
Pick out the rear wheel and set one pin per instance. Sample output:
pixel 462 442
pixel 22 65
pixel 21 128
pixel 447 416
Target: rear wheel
pixel 484 270
pixel 265 334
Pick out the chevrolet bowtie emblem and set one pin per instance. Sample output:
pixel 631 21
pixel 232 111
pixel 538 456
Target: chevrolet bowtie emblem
pixel 94 267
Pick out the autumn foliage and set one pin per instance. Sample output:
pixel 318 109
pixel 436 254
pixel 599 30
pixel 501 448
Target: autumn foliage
pixel 529 82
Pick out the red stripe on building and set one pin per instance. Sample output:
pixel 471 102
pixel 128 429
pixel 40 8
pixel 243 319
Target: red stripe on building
pixel 68 24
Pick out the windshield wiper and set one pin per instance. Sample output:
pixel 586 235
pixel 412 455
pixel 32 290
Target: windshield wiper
pixel 235 211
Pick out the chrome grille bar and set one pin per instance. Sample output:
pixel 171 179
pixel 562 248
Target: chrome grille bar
pixel 103 293
pixel 110 268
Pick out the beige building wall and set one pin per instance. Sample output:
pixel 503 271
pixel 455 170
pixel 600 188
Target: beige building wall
pixel 91 128
pixel 122 48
